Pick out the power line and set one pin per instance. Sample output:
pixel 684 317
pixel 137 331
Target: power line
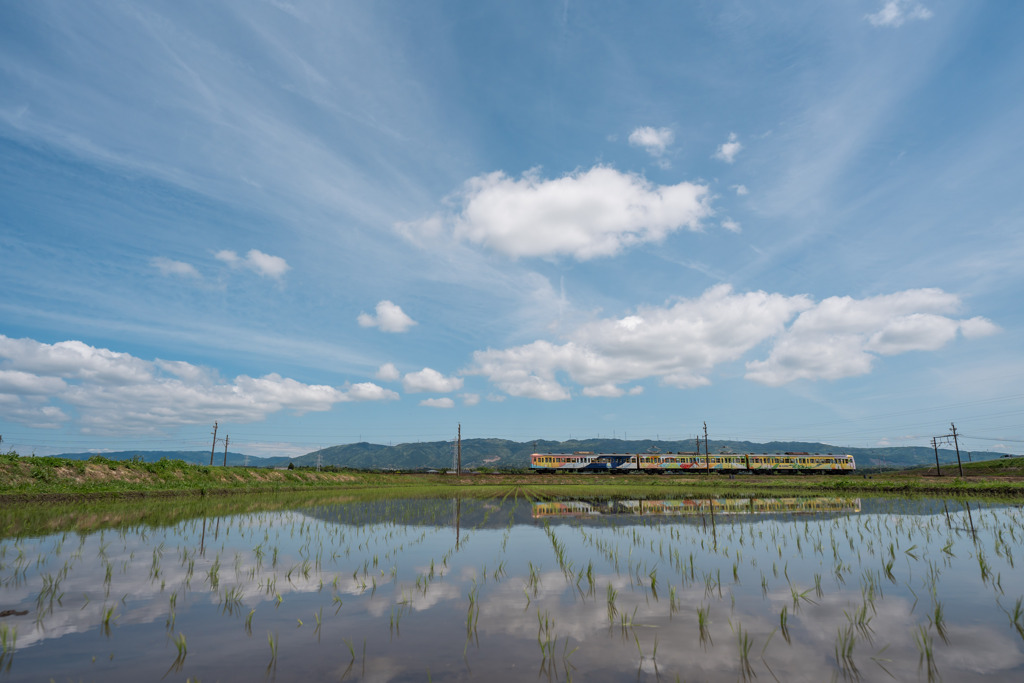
pixel 990 438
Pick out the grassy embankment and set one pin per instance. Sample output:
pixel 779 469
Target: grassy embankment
pixel 56 478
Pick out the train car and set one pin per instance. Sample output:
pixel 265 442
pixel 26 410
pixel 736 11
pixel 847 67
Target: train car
pixel 692 462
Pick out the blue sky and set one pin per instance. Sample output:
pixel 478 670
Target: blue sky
pixel 326 222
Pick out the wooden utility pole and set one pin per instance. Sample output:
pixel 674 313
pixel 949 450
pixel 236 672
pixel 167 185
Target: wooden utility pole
pixel 226 438
pixel 214 446
pixel 957 446
pixel 934 446
pixel 458 453
pixel 707 459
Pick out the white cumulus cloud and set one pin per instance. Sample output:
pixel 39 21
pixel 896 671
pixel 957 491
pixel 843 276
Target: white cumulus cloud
pixel 116 392
pixel 681 343
pixel 430 380
pixel 388 372
pixel 841 336
pixel 585 214
pixel 654 140
pixel 438 403
pixel 389 318
pixel 728 150
pixel 895 13
pixel 368 391
pixel 255 260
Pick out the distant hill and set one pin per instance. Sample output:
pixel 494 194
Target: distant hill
pixel 194 457
pixel 502 453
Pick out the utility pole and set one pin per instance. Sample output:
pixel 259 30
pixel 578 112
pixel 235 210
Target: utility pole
pixel 707 460
pixel 957 446
pixel 227 437
pixel 952 435
pixel 458 453
pixel 214 446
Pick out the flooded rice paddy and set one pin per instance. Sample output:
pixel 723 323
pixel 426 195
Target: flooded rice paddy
pixel 514 589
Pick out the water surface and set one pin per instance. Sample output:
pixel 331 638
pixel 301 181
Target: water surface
pixel 512 589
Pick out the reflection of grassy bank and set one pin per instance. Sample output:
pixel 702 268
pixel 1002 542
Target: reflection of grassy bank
pixel 56 479
pixel 649 486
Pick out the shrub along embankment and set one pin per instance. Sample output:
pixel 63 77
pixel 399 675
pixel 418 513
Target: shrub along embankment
pixel 48 478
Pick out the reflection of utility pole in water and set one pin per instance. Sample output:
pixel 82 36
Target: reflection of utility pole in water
pixel 714 530
pixel 458 520
pixel 202 539
pixel 948 524
pixel 970 519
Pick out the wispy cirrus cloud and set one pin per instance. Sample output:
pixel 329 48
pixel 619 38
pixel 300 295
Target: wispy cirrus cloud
pixel 895 13
pixel 584 214
pixel 168 266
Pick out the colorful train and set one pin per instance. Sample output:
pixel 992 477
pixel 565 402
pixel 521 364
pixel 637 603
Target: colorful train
pixel 693 463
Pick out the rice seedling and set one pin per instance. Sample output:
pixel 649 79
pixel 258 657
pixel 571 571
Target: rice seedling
pixel 703 624
pixel 938 621
pixel 744 644
pixel 182 645
pixel 926 652
pixel 846 639
pixel 107 617
pixel 983 565
pixel 272 641
pixel 612 611
pixel 8 642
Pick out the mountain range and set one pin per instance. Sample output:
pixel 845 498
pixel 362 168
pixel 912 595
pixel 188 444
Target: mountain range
pixel 502 453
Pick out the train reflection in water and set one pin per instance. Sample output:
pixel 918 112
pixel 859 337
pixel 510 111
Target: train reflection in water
pixel 694 506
